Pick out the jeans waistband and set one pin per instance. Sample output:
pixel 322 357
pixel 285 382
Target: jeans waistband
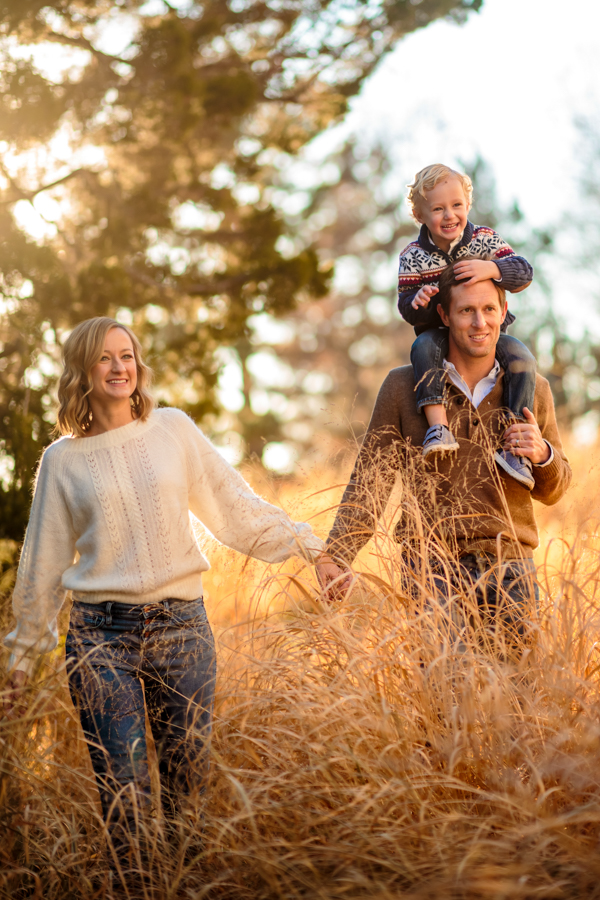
pixel 484 562
pixel 134 610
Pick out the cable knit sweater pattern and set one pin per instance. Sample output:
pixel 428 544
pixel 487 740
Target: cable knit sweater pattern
pixel 110 520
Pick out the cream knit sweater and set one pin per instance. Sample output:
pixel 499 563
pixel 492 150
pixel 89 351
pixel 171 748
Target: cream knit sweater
pixel 110 521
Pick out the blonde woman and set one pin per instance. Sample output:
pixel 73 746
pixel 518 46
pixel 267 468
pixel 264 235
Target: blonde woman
pixel 110 522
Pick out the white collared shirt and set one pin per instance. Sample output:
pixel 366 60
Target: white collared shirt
pixel 480 392
pixel 482 388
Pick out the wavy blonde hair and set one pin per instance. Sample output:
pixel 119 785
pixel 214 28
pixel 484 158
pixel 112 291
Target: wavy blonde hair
pixel 426 180
pixel 82 350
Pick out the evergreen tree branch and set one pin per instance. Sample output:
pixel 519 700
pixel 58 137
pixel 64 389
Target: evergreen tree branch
pixel 84 44
pixel 23 194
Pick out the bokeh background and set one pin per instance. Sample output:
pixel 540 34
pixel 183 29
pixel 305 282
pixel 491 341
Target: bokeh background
pixel 229 178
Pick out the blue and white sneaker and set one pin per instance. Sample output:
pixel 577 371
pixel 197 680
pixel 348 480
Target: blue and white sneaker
pixel 518 467
pixel 439 439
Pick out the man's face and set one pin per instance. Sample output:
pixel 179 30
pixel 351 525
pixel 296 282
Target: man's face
pixel 476 315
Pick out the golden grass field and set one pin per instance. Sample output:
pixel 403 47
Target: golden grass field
pixel 355 753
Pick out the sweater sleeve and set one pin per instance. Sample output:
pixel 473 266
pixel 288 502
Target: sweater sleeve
pixel 553 479
pixel 516 273
pixel 48 550
pixel 423 317
pixel 373 477
pixel 234 514
pixel 412 276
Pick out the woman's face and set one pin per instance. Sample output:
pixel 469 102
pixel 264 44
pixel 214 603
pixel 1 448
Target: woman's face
pixel 114 377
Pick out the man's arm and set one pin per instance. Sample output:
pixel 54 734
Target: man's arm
pixel 373 476
pixel 551 469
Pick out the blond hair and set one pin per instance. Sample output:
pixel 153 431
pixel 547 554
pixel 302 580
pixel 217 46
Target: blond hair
pixel 82 350
pixel 426 180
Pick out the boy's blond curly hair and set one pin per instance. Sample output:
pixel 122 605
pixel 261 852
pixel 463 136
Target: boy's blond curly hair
pixel 426 180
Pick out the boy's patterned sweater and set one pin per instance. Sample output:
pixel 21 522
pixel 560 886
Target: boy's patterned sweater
pixel 422 263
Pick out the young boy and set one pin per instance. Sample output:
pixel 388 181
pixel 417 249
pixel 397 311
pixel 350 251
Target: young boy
pixel 440 200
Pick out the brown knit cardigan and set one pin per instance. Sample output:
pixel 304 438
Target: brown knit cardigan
pixel 463 501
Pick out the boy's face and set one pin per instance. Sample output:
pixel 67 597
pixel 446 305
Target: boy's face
pixel 444 211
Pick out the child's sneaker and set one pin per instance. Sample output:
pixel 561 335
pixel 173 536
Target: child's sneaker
pixel 518 467
pixel 439 439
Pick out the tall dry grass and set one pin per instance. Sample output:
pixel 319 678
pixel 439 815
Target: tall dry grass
pixel 361 750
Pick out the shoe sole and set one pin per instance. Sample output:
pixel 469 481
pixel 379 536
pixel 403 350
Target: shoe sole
pixel 440 448
pixel 526 482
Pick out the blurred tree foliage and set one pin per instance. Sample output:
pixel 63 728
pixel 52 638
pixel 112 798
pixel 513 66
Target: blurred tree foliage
pixel 137 141
pixel 574 366
pixel 571 366
pixel 321 370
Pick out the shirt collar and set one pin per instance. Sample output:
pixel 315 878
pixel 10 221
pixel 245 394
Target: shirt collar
pixel 426 242
pixel 493 373
pixel 481 389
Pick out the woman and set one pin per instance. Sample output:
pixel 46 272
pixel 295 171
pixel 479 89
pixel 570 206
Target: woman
pixel 110 522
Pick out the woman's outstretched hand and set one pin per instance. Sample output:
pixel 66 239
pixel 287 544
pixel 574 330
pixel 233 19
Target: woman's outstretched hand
pixel 13 695
pixel 334 580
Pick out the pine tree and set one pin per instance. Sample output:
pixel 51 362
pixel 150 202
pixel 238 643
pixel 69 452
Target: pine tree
pixel 156 142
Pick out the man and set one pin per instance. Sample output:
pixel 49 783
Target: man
pixel 476 524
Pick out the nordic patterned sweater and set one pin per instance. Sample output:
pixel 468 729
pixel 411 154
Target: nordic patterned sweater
pixel 422 262
pixel 110 520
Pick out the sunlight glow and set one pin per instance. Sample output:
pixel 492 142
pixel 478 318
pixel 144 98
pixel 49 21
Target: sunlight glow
pixel 279 457
pixel 269 370
pixel 230 384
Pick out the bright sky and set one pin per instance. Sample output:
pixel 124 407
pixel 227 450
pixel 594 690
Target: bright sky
pixel 508 84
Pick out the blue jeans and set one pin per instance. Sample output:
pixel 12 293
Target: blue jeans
pixel 506 595
pixel 122 661
pixel 430 348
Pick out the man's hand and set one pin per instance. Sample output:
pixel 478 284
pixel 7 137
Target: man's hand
pixel 334 580
pixel 424 296
pixel 525 439
pixel 13 695
pixel 472 270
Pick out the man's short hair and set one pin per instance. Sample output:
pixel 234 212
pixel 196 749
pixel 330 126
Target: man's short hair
pixel 426 180
pixel 448 280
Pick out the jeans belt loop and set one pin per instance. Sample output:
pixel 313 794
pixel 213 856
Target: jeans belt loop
pixel 109 605
pixel 482 561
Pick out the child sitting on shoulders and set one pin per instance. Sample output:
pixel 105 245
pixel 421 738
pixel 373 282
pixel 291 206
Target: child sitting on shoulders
pixel 440 200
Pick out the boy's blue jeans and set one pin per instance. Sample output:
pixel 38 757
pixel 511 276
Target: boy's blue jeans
pixel 431 347
pixel 124 660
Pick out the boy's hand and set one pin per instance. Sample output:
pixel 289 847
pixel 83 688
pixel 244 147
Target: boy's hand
pixel 424 296
pixel 473 270
pixel 525 439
